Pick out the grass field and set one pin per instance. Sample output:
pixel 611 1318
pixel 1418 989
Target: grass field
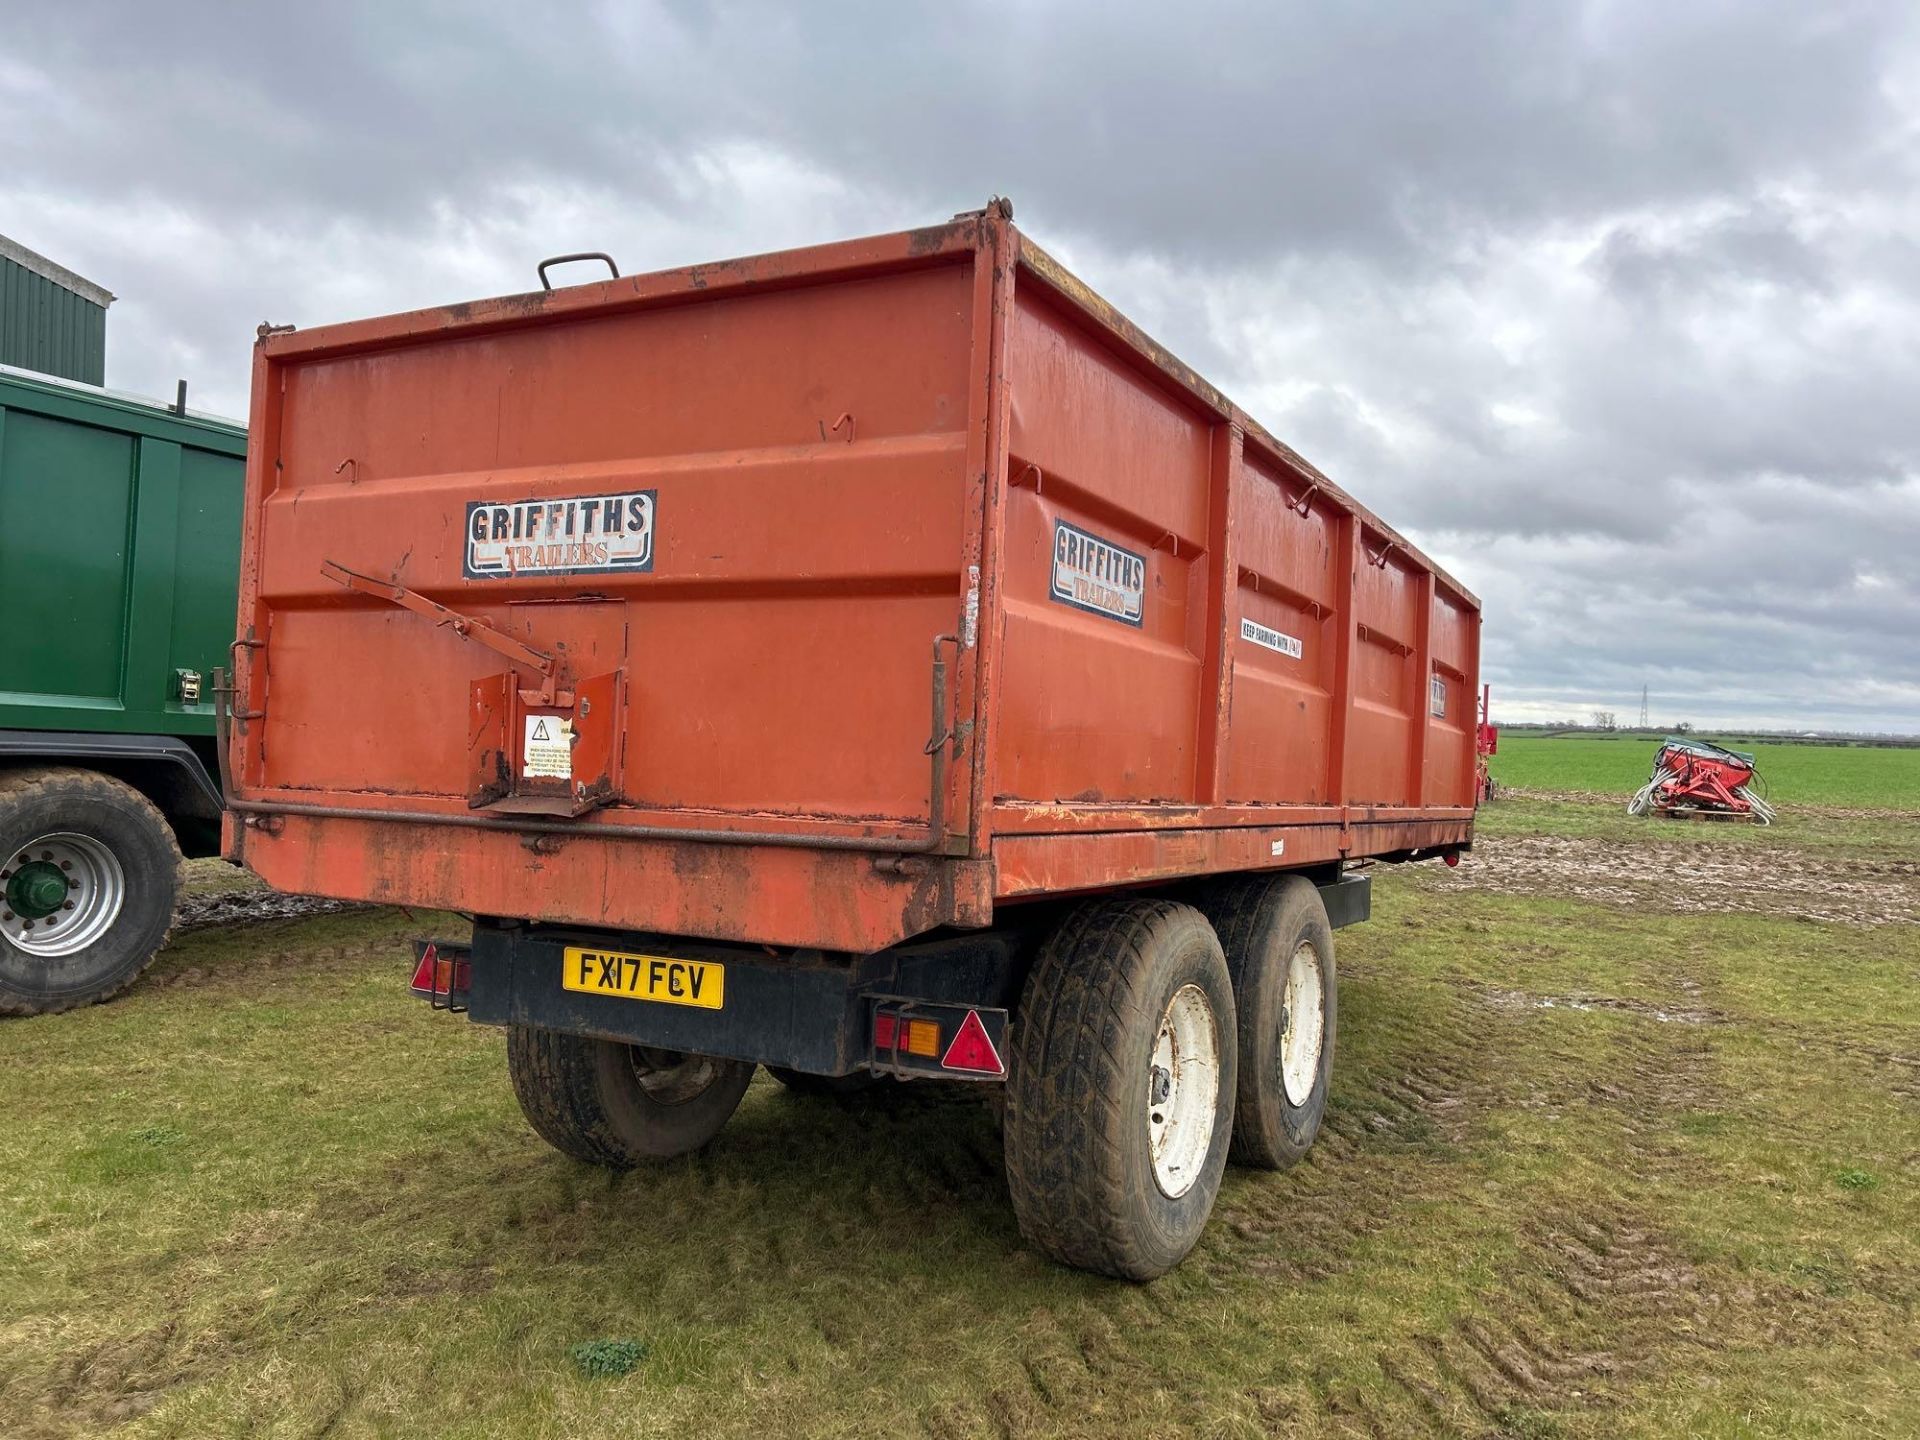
pixel 1834 775
pixel 1592 1168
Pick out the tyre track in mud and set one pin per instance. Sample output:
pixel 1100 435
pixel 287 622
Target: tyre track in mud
pixel 1301 1227
pixel 1068 1367
pixel 1372 1154
pixel 1596 1299
pixel 252 907
pixel 1676 877
pixel 1594 1303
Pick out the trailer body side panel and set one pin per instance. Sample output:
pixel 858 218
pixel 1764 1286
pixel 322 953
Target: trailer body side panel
pixel 936 585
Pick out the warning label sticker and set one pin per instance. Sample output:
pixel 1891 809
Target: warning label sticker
pixel 548 753
pixel 1094 574
pixel 587 534
pixel 1272 640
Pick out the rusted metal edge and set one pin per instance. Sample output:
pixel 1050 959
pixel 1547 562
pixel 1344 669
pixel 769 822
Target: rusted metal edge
pixel 1082 818
pixel 990 430
pixel 899 250
pixel 1028 865
pixel 918 844
pixel 1026 820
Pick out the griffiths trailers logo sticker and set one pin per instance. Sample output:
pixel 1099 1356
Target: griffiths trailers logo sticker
pixel 586 534
pixel 1093 574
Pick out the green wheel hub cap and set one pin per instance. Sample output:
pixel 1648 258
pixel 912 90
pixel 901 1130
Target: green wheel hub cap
pixel 36 890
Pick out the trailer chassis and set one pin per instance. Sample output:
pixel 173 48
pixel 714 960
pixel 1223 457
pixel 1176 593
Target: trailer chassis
pixel 811 1011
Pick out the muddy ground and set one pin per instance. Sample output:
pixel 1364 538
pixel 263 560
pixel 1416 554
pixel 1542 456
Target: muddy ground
pixel 249 907
pixel 1680 878
pixel 216 893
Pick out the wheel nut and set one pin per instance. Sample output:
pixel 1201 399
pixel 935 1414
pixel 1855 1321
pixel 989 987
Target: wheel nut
pixel 66 864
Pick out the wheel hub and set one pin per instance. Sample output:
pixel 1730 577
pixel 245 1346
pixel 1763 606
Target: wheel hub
pixel 1303 1024
pixel 61 893
pixel 1183 1091
pixel 1162 1085
pixel 36 890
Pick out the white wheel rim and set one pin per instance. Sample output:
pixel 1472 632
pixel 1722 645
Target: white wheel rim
pixel 1183 1091
pixel 1303 1026
pixel 96 891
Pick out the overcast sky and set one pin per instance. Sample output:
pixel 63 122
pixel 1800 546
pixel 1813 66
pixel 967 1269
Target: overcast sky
pixel 1614 307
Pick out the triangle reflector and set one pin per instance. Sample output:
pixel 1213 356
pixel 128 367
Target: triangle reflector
pixel 972 1049
pixel 423 973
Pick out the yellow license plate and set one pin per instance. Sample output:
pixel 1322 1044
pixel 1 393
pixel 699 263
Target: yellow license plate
pixel 645 977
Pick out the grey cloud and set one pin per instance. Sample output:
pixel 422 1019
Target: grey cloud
pixel 1615 306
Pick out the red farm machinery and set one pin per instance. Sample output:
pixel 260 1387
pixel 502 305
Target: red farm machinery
pixel 1696 780
pixel 1486 742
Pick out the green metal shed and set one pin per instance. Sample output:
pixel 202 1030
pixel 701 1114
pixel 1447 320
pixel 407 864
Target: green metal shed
pixel 51 320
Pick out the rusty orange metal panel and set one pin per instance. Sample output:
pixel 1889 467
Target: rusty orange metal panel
pixel 780 546
pixel 765 895
pixel 1105 576
pixel 1070 864
pixel 1285 642
pixel 869 582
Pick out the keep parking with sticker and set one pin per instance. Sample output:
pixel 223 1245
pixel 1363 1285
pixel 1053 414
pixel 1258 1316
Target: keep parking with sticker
pixel 1270 639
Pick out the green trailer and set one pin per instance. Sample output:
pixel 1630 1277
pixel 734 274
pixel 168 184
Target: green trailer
pixel 119 553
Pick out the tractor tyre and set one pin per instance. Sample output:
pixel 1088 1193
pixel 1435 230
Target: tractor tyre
pixel 89 875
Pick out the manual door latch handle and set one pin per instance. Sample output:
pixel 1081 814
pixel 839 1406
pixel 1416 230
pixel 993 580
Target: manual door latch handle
pixel 467 627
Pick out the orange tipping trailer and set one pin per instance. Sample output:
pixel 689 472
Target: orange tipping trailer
pixel 833 656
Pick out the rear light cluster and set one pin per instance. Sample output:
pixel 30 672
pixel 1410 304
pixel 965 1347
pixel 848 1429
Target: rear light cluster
pixel 911 1037
pixel 442 975
pixel 970 1050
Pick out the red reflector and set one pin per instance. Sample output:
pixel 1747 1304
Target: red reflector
pixel 1453 859
pixel 885 1029
pixel 440 975
pixel 973 1050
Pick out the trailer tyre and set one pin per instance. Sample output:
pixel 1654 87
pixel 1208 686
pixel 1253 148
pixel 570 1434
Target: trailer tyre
pixel 1279 950
pixel 620 1105
pixel 89 874
pixel 1120 1088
